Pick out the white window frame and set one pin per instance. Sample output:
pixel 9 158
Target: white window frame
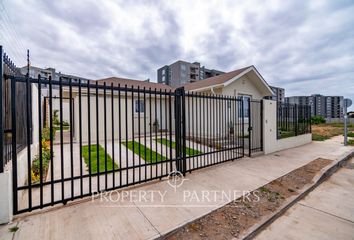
pixel 137 111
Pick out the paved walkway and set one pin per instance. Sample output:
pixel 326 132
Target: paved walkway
pixel 326 213
pixel 138 217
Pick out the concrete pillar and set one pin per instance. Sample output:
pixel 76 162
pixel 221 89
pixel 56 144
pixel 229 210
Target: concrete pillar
pixel 269 126
pixel 6 197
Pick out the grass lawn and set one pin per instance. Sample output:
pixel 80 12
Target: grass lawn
pixel 151 156
pixel 65 128
pixel 101 162
pixel 317 137
pixel 286 134
pixel 350 134
pixel 189 151
pixel 321 132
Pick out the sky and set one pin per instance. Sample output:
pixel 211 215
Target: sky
pixel 305 47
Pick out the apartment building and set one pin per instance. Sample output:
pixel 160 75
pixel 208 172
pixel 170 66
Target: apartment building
pixel 326 106
pixel 182 72
pixel 334 106
pixel 278 94
pixel 50 72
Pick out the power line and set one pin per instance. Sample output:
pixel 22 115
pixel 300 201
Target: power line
pixel 10 35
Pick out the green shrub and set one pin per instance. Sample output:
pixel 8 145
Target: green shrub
pixel 317 137
pixel 350 134
pixel 46 133
pixel 36 164
pixel 56 117
pixel 65 123
pixel 317 120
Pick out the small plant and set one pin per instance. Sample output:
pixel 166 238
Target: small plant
pixel 317 120
pixel 156 125
pixel 264 190
pixel 13 229
pixel 46 134
pixel 318 137
pixel 36 164
pixel 65 123
pixel 231 128
pixel 351 142
pixel 55 117
pixel 350 134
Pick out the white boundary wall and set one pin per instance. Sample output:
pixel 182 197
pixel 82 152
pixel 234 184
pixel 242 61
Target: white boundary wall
pixel 5 197
pixel 270 141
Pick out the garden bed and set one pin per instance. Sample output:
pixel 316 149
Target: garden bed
pixel 235 218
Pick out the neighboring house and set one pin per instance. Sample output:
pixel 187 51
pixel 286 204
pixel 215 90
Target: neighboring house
pixel 51 72
pixel 131 111
pixel 325 106
pixel 245 82
pixel 182 72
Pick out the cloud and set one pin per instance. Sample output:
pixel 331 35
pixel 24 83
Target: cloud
pixel 304 46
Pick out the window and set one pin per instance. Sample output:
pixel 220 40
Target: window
pixel 163 78
pixel 163 71
pixel 183 67
pixel 245 100
pixel 139 106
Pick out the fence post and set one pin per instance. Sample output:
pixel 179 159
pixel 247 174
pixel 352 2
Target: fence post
pixel 296 119
pixel 249 127
pixel 180 130
pixel 261 116
pixel 2 161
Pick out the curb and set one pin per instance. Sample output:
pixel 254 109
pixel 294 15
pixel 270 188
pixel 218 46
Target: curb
pixel 281 211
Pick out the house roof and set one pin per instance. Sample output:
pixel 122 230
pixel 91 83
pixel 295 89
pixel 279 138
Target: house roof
pixel 217 80
pixel 134 83
pixel 225 79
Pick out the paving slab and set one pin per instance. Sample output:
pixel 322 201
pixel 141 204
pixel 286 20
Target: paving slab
pixel 326 213
pixel 300 222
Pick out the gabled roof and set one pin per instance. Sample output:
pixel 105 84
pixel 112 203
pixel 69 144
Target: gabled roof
pixel 217 80
pixel 227 78
pixel 135 83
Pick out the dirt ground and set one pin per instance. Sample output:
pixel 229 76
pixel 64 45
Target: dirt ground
pixel 236 217
pixel 329 130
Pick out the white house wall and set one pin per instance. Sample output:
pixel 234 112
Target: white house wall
pixel 211 118
pixel 123 116
pixel 242 86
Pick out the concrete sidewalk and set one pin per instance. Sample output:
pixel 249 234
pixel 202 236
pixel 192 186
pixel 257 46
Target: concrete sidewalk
pixel 326 213
pixel 140 219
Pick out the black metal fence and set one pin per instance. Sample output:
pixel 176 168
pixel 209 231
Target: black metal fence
pixel 69 139
pixel 7 67
pixel 293 120
pixel 91 137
